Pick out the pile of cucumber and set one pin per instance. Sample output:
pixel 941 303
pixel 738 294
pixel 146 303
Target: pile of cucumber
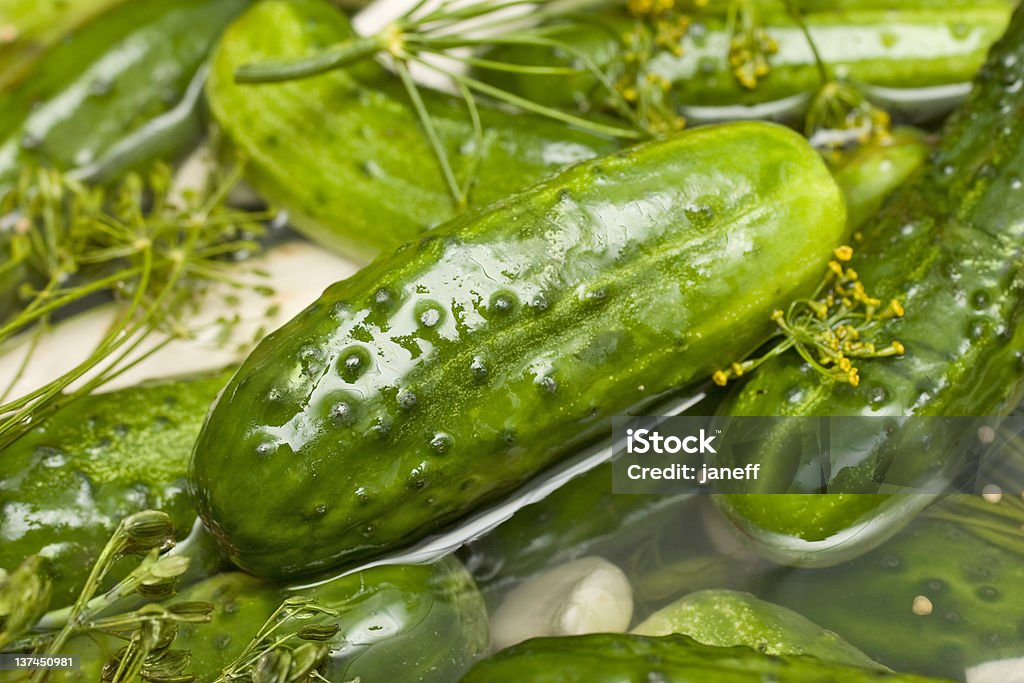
pixel 262 521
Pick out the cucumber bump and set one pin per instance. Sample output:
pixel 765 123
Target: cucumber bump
pixel 448 373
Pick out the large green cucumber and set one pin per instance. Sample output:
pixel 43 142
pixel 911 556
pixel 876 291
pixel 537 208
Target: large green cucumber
pixel 621 658
pixel 726 618
pixel 448 373
pixel 344 152
pixel 109 82
pixel 913 45
pixel 66 485
pixel 972 586
pixel 397 624
pixel 949 246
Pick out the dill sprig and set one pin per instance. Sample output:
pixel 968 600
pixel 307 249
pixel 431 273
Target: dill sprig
pixel 830 330
pixel 151 252
pixel 283 650
pixel 148 631
pixel 425 33
pixel 750 47
pixel 840 115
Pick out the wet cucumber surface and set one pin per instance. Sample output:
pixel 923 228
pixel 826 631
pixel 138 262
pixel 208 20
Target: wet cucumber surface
pixel 344 152
pixel 902 45
pixel 66 485
pixel 424 623
pixel 107 81
pixel 948 246
pixel 450 372
pixel 621 658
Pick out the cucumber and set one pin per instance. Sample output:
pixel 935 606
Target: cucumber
pixel 398 624
pixel 120 77
pixel 344 152
pixel 972 584
pixel 725 618
pixel 622 658
pixel 948 245
pixel 29 28
pixel 916 45
pixel 872 172
pixel 66 485
pixel 448 373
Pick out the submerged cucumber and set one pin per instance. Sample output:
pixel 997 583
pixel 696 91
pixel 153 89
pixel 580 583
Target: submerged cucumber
pixel 725 618
pixel 621 658
pixel 909 46
pixel 949 246
pixel 582 518
pixel 447 374
pixel 951 558
pixel 66 485
pixel 397 624
pixel 344 152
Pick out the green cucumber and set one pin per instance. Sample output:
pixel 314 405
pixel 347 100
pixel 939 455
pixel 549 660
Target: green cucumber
pixel 626 658
pixel 66 485
pixel 29 28
pixel 912 46
pixel 397 624
pixel 442 376
pixel 872 172
pixel 725 618
pixel 584 517
pixel 972 585
pixel 119 77
pixel 344 153
pixel 948 246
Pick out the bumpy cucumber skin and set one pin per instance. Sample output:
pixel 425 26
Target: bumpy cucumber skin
pixel 344 153
pixel 948 245
pixel 622 658
pixel 448 373
pixel 903 48
pixel 726 618
pixel 974 588
pixel 110 79
pixel 398 624
pixel 66 485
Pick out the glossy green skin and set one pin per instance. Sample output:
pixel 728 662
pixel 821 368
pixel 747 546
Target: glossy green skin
pixel 622 658
pixel 38 25
pixel 949 247
pixel 445 375
pixel 906 48
pixel 974 586
pixel 726 618
pixel 399 624
pixel 869 174
pixel 344 152
pixel 107 81
pixel 584 516
pixel 66 485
